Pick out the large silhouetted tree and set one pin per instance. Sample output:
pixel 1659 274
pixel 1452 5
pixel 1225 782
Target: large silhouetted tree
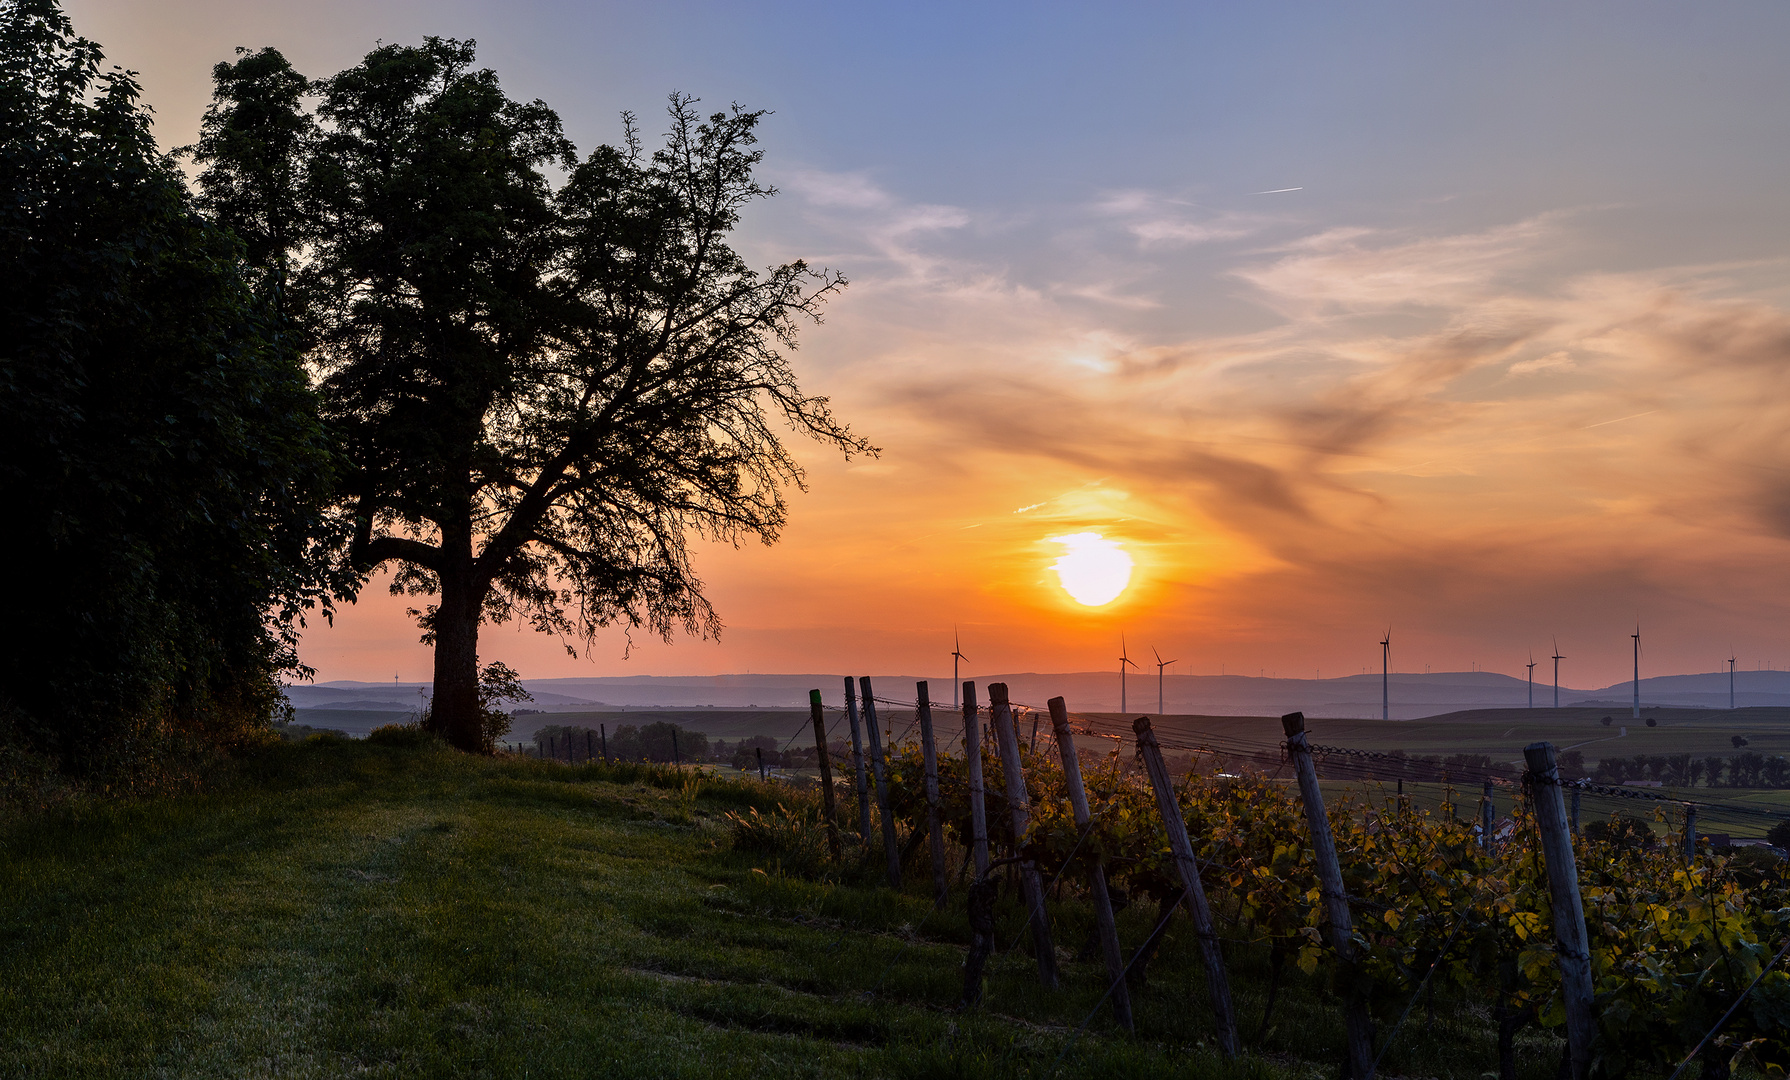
pixel 544 392
pixel 161 461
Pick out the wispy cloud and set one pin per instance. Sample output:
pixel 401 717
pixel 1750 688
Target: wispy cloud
pixel 1160 221
pixel 1428 426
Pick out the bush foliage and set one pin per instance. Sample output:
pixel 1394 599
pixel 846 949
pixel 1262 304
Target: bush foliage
pixel 160 455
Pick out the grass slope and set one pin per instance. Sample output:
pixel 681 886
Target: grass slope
pixel 354 909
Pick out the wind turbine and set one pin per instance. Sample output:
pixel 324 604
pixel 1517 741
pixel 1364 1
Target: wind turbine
pixel 956 655
pixel 1557 659
pixel 1124 659
pixel 1731 660
pixel 1637 636
pixel 1385 669
pixel 1532 678
pixel 1160 664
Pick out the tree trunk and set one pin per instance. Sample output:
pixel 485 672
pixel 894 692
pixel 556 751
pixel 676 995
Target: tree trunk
pixel 1716 1060
pixel 1140 961
pixel 981 918
pixel 454 713
pixel 1277 963
pixel 1510 1021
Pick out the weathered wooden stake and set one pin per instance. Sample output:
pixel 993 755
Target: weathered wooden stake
pixel 1218 983
pixel 1575 810
pixel 1019 812
pixel 1690 832
pixel 603 733
pixel 676 758
pixel 588 752
pixel 1104 923
pixel 857 759
pixel 972 754
pixel 891 848
pixel 935 828
pixel 758 751
pixel 1569 914
pixel 1356 1019
pixel 1486 818
pixel 816 713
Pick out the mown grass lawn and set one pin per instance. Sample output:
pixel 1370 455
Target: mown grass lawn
pixel 347 909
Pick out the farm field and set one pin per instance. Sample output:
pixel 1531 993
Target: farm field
pixel 1502 733
pixel 1498 733
pixel 352 908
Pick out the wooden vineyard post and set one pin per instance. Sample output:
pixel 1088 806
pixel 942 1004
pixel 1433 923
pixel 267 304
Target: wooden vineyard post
pixel 588 753
pixel 1359 1023
pixel 1690 832
pixel 1218 984
pixel 1486 816
pixel 891 849
pixel 972 754
pixel 935 829
pixel 817 714
pixel 603 734
pixel 857 759
pixel 1104 923
pixel 1569 914
pixel 1575 810
pixel 1019 813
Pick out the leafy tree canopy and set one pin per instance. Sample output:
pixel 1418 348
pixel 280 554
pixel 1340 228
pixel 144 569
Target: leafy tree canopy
pixel 542 391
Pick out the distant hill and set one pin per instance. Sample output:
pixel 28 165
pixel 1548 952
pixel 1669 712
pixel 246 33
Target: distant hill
pixel 1349 697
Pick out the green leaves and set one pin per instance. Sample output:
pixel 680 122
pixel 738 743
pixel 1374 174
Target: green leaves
pixel 1671 947
pixel 160 454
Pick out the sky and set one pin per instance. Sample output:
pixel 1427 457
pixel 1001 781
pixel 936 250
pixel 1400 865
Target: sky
pixel 1467 321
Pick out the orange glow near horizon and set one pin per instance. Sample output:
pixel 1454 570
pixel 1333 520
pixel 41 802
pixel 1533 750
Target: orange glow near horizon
pixel 1462 383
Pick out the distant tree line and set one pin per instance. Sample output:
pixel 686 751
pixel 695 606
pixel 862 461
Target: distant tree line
pixel 743 754
pixel 655 742
pixel 1747 769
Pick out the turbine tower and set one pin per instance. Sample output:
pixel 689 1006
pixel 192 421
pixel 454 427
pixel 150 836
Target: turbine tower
pixel 1532 678
pixel 1731 660
pixel 1385 675
pixel 1557 659
pixel 1637 636
pixel 956 655
pixel 1160 664
pixel 1124 659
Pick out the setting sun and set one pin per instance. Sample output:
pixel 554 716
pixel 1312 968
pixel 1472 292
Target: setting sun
pixel 1094 570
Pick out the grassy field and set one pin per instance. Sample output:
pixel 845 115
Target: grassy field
pixel 342 908
pixel 1502 733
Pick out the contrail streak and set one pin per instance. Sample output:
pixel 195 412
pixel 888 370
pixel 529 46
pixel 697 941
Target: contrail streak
pixel 1277 191
pixel 1618 420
